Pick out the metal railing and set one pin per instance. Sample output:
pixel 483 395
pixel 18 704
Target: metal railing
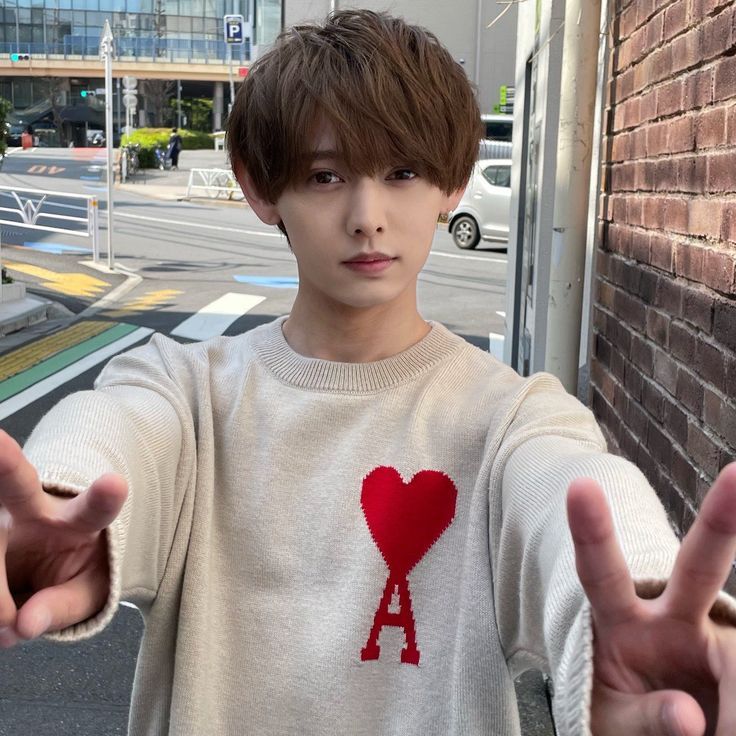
pixel 32 209
pixel 214 182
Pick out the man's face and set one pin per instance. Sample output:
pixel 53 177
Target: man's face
pixel 359 241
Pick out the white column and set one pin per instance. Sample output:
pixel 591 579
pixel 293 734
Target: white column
pixel 218 103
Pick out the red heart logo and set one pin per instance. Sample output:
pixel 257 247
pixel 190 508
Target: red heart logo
pixel 406 519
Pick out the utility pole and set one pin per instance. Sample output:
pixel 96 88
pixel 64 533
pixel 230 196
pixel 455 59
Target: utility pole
pixel 107 51
pixel 178 103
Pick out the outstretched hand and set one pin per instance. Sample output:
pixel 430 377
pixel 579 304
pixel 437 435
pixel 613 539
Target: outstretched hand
pixel 53 555
pixel 661 666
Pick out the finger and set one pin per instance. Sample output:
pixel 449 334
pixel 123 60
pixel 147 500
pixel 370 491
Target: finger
pixel 20 489
pixel 707 552
pixel 7 604
pixel 600 563
pixel 60 606
pixel 97 507
pixel 659 713
pixel 727 704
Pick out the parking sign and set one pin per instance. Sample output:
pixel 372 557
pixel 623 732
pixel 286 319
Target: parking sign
pixel 233 29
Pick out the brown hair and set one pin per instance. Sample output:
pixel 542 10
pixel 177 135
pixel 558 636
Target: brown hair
pixel 392 93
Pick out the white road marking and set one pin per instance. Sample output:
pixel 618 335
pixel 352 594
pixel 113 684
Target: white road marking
pixel 187 223
pixel 217 316
pixel 468 258
pixel 35 392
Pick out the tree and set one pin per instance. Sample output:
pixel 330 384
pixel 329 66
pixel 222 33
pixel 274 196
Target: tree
pixel 5 107
pixel 56 89
pixel 156 94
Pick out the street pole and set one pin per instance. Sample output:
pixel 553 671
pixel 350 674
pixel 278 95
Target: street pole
pixel 232 83
pixel 107 49
pixel 178 103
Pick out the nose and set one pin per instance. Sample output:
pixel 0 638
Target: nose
pixel 367 213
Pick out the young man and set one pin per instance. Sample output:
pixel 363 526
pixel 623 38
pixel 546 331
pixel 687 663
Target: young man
pixel 349 520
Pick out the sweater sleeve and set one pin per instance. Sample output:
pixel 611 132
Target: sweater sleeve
pixel 543 616
pixel 136 423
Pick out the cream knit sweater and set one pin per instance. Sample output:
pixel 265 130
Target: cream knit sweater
pixel 329 548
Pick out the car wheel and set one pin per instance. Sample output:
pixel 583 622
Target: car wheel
pixel 465 232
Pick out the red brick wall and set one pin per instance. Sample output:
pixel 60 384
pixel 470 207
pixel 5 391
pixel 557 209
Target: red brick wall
pixel 663 375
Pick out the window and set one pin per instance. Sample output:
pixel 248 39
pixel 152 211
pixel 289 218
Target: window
pixel 499 176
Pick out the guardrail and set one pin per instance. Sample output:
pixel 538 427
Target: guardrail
pixel 214 182
pixel 28 212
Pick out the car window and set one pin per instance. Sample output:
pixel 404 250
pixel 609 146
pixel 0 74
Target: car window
pixel 499 176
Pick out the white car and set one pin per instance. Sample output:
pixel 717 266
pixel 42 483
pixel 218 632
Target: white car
pixel 483 212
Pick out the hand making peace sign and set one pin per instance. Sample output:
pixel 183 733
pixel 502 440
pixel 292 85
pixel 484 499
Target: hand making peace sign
pixel 662 667
pixel 53 555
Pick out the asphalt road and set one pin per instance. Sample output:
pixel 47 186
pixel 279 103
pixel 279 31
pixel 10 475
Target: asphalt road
pixel 178 257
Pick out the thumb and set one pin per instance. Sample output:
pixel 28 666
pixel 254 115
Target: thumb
pixel 659 713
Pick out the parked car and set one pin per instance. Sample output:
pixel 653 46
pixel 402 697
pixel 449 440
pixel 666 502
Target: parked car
pixel 483 212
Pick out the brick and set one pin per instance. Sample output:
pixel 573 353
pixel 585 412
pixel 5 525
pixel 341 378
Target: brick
pixel 639 141
pixel 629 444
pixel 665 176
pixel 710 129
pixel 686 50
pixel 689 391
pixel 681 135
pixel 661 252
pixel 722 172
pixel 717 34
pixel 645 176
pixel 657 139
pixel 618 239
pixel 639 249
pixel 671 499
pixel 682 342
pixel 605 294
pixel 697 308
pixel 710 364
pixel 719 271
pixel 675 19
pixel 648 106
pixel 653 399
pixel 712 403
pixel 731 122
pixel 654 32
pixel 724 423
pixel 689 261
pixel 669 98
pixel 728 231
pixel 661 63
pixel 669 296
pixel 724 79
pixel 648 286
pixel 665 371
pixel 692 172
pixel 633 381
pixel 642 355
pixel 704 217
pixel 646 464
pixel 659 445
pixel 630 310
pixel 636 418
pixel 634 210
pixel 724 324
pixel 627 21
pixel 621 146
pixel 698 89
pixel 675 419
pixel 658 327
pixel 685 474
pixel 644 9
pixel 652 212
pixel 703 450
pixel 676 217
pixel 730 375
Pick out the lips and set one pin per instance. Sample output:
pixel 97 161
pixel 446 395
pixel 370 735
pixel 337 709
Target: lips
pixel 369 263
pixel 369 258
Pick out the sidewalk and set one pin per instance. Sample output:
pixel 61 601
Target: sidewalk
pixel 172 185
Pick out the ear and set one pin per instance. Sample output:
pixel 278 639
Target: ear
pixel 267 211
pixel 452 200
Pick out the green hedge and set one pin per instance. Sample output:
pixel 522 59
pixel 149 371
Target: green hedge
pixel 149 138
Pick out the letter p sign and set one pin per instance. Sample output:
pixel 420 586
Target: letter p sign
pixel 233 29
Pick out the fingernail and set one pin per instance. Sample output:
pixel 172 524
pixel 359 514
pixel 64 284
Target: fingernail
pixel 7 637
pixel 670 719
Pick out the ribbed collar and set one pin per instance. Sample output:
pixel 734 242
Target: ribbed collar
pixel 326 375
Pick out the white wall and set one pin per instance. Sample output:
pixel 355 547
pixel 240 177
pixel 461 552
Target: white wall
pixel 456 25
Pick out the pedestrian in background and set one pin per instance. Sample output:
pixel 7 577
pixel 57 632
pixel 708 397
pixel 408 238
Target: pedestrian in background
pixel 175 146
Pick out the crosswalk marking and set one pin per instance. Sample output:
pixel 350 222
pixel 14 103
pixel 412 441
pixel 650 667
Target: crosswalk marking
pixel 149 300
pixel 217 316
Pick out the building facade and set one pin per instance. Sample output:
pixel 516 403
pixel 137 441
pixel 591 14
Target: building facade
pixel 49 53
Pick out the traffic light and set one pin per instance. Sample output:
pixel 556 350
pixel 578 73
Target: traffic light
pixel 88 93
pixel 20 57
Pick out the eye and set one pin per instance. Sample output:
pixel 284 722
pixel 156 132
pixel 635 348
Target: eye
pixel 324 177
pixel 403 174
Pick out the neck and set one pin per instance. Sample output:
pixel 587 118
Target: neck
pixel 353 335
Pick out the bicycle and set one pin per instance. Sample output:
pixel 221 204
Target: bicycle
pixel 129 161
